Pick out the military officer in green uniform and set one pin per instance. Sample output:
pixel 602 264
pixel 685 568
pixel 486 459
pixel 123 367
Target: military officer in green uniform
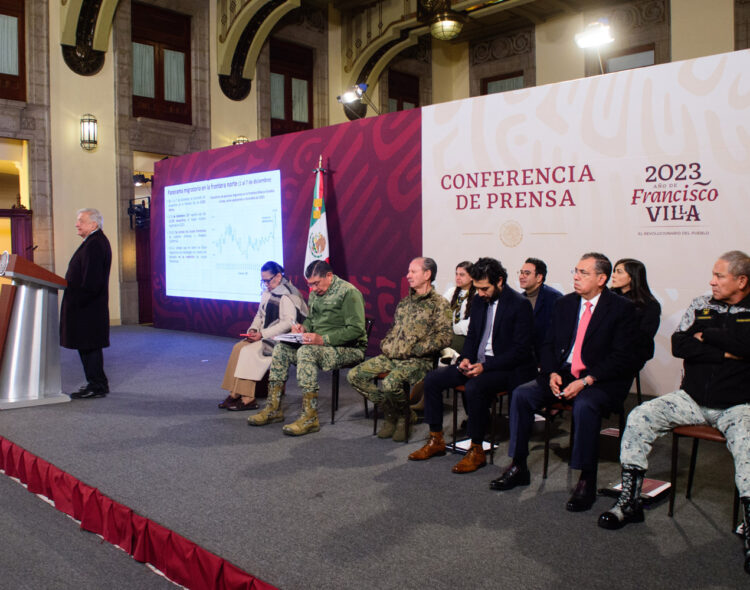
pixel 421 329
pixel 333 335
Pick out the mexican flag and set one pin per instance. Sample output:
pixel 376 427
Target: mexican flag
pixel 317 237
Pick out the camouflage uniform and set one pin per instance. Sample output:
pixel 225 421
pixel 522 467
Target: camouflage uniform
pixel 421 328
pixel 713 390
pixel 339 317
pixel 310 359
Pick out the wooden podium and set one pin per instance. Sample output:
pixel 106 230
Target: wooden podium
pixel 29 335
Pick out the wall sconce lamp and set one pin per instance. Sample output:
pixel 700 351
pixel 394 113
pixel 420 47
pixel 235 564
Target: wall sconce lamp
pixel 89 137
pixel 355 101
pixel 240 139
pixel 595 35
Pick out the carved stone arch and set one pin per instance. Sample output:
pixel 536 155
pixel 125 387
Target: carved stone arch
pixel 415 61
pixel 240 47
pixel 375 59
pixel 84 36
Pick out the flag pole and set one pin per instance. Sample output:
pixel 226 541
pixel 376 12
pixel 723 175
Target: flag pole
pixel 317 247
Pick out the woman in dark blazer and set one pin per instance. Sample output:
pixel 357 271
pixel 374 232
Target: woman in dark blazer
pixel 629 280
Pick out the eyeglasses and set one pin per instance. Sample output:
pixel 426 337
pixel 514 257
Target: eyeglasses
pixel 582 273
pixel 267 282
pixel 525 273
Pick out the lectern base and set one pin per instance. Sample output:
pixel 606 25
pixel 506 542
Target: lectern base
pixel 54 398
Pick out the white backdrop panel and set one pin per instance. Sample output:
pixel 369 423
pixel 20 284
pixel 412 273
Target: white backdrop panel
pixel 652 164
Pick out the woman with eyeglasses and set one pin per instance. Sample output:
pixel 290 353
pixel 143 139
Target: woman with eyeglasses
pixel 629 280
pixel 281 306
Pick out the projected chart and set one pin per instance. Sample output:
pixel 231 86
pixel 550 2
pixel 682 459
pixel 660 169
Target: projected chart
pixel 218 233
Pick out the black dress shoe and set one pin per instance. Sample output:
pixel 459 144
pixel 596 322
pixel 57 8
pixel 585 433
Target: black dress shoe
pixel 511 477
pixel 88 391
pixel 583 496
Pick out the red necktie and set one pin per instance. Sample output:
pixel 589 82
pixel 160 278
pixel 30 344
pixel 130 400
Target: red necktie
pixel 577 365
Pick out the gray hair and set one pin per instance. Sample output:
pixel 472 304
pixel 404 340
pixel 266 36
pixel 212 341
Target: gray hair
pixel 94 216
pixel 428 264
pixel 739 262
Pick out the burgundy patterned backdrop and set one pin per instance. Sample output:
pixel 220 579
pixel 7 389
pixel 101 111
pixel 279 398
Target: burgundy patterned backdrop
pixel 373 205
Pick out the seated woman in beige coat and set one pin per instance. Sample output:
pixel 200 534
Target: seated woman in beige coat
pixel 281 305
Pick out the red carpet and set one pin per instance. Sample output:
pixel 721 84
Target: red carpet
pixel 181 560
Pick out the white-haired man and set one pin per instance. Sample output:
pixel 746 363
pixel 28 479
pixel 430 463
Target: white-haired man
pixel 84 314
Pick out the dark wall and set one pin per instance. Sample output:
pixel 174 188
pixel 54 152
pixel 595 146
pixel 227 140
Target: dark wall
pixel 373 206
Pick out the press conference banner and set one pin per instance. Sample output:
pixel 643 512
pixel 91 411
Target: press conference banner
pixel 652 163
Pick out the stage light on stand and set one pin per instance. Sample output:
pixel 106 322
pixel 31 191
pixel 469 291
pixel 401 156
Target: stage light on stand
pixel 356 101
pixel 595 35
pixel 140 179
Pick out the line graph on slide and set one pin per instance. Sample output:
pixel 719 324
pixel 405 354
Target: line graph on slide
pixel 222 231
pixel 238 240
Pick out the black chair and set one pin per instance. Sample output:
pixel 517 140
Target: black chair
pixel 697 433
pixel 495 407
pixel 336 374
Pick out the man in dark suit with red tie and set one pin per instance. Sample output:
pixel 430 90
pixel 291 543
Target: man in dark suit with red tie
pixel 84 313
pixel 587 361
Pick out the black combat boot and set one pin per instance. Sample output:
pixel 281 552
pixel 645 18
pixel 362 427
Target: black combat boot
pixel 746 531
pixel 629 506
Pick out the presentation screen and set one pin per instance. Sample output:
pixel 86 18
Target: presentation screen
pixel 218 233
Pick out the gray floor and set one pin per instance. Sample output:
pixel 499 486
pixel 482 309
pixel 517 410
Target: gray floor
pixel 44 549
pixel 341 508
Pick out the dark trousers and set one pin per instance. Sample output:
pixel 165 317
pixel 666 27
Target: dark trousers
pixel 479 392
pixel 588 407
pixel 93 368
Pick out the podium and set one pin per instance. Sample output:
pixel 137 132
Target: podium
pixel 29 335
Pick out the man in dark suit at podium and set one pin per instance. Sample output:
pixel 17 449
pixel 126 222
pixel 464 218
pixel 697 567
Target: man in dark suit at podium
pixel 84 315
pixel 587 361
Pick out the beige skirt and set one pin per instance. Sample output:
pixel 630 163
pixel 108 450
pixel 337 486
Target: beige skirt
pixel 246 365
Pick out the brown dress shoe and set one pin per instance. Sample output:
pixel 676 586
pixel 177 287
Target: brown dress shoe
pixel 473 460
pixel 435 446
